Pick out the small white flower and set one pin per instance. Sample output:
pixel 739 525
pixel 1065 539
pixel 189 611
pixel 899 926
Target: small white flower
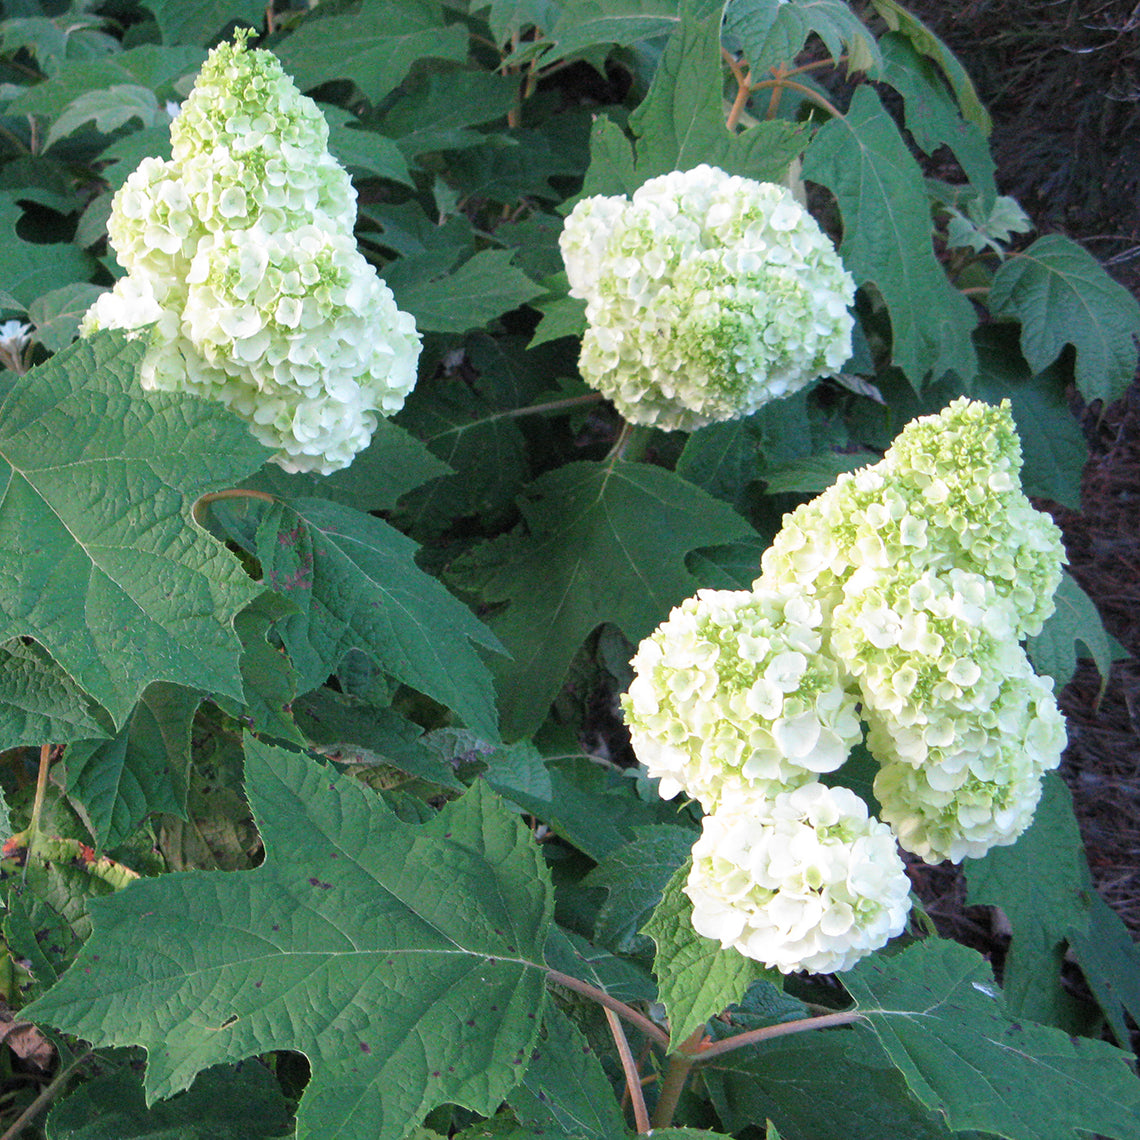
pixel 15 336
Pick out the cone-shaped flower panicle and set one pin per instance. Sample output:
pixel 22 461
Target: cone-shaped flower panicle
pixel 240 255
pixel 804 880
pixel 707 295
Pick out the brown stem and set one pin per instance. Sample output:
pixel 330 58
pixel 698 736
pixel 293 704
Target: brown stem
pixel 655 1032
pixel 38 804
pixel 754 1036
pixel 47 1095
pixel 739 103
pixel 632 1076
pixel 677 1070
pixel 804 90
pixel 230 493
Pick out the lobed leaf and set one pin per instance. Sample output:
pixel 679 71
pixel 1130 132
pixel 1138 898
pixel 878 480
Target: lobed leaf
pixel 106 566
pixel 773 32
pixel 565 1089
pixel 375 48
pixel 938 1014
pixel 1076 621
pixel 604 543
pixel 1042 885
pixel 355 585
pixel 1062 295
pixel 143 769
pixel 697 979
pixel 681 122
pixel 862 159
pixel 237 1103
pixel 404 961
pixel 199 21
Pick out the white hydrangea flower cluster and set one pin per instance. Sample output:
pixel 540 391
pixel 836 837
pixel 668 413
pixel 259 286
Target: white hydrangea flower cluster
pixel 707 295
pixel 804 880
pixel 240 252
pixel 734 694
pixel 933 567
pixel 900 595
pixel 736 703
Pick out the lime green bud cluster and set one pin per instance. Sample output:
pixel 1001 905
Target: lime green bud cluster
pixel 901 596
pixel 240 253
pixel 707 295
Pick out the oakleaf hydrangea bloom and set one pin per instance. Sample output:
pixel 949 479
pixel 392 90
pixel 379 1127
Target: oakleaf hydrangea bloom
pixel 707 295
pixel 946 495
pixel 804 880
pixel 931 566
pixel 732 692
pixel 240 256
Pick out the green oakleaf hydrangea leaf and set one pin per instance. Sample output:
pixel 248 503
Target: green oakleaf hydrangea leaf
pixel 455 300
pixel 108 108
pixel 565 1089
pixel 862 159
pixel 635 876
pixel 240 1103
pixel 773 32
pixel 1062 295
pixel 604 543
pixel 1042 885
pixel 826 1085
pixel 405 961
pixel 199 21
pixel 107 568
pixel 355 585
pixel 938 1013
pixel 933 116
pixel 1075 621
pixel 697 979
pixel 143 769
pixel 374 48
pixel 899 20
pixel 681 122
pixel 30 269
pixel 39 701
pixel 1110 961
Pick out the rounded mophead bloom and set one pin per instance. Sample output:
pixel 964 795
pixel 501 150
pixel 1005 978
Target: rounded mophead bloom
pixel 707 295
pixel 241 258
pixel 801 881
pixel 732 692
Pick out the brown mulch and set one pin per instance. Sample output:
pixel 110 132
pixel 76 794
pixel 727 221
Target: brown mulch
pixel 1062 81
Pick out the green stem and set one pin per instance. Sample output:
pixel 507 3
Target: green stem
pixel 677 1069
pixel 631 444
pixel 654 1032
pixel 46 1096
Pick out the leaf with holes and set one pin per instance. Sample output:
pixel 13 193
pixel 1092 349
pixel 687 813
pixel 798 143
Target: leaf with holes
pixel 405 961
